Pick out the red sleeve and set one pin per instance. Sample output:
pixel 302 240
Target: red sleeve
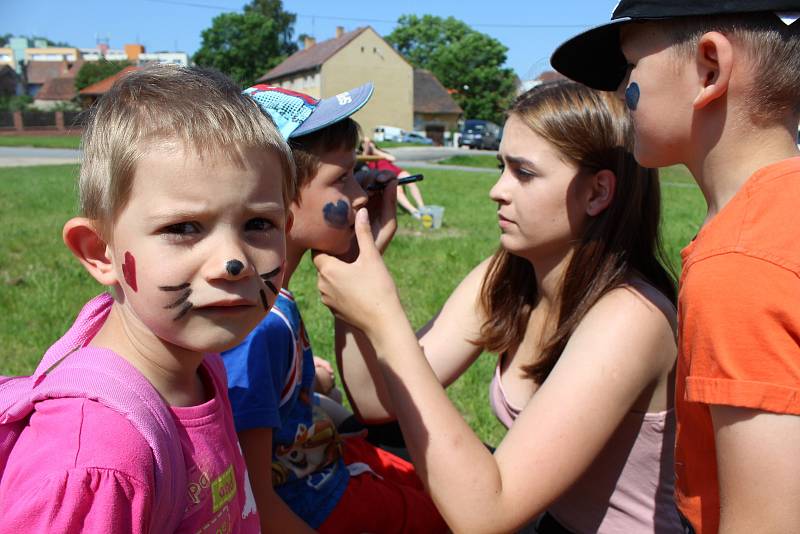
pixel 741 331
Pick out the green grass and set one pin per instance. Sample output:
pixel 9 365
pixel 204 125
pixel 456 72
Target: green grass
pixel 42 286
pixel 45 141
pixel 480 160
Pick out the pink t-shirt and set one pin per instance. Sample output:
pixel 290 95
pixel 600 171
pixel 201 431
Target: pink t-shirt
pixel 82 467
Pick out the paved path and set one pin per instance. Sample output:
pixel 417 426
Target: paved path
pixel 23 156
pixel 420 157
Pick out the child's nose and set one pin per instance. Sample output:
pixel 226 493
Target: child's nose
pixel 229 262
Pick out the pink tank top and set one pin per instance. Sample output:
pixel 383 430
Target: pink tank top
pixel 629 488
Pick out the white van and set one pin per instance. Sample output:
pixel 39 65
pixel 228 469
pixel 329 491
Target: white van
pixel 387 133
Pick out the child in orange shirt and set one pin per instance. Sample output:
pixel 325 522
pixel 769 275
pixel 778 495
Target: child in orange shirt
pixel 716 86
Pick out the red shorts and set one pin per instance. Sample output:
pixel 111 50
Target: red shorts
pixel 384 165
pixel 394 501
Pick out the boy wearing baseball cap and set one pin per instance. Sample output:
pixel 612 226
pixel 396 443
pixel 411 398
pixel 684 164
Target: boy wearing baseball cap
pixel 715 85
pixel 304 474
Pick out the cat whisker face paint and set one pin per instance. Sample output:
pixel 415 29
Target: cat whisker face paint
pixel 267 279
pixel 632 94
pixel 337 215
pixel 182 301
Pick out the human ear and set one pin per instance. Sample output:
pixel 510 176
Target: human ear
pixel 84 240
pixel 714 65
pixel 601 193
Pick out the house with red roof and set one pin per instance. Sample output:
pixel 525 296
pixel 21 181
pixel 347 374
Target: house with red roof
pixel 91 93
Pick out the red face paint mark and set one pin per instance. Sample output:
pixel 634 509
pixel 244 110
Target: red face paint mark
pixel 129 271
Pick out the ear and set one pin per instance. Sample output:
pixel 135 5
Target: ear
pixel 84 240
pixel 601 193
pixel 714 65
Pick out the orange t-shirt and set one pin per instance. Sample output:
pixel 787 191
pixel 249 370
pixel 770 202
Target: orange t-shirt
pixel 739 326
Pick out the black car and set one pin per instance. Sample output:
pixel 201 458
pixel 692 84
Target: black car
pixel 480 134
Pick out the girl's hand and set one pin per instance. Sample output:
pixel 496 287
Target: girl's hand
pixel 361 293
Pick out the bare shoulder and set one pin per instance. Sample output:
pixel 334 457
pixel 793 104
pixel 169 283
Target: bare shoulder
pixel 640 301
pixel 632 320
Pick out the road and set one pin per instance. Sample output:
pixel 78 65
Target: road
pixel 22 156
pixel 406 156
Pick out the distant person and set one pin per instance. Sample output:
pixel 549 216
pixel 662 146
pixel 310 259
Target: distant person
pixel 581 313
pixel 716 86
pixel 368 148
pixel 183 221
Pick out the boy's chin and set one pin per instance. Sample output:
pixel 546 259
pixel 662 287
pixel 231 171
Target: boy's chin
pixel 343 250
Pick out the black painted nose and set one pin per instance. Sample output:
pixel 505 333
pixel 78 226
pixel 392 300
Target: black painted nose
pixel 234 267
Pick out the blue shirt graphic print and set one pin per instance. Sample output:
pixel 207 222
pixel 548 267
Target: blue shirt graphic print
pixel 270 381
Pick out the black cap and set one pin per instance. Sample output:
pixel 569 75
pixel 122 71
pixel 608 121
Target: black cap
pixel 594 57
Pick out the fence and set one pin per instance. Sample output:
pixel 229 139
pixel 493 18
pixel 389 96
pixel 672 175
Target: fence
pixel 57 121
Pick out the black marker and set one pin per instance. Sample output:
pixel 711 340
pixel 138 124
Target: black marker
pixel 377 186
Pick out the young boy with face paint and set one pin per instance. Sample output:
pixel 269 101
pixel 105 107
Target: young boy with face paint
pixel 716 86
pixel 304 474
pixel 183 191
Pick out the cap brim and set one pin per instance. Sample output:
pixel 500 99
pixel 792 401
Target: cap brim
pixel 335 108
pixel 594 57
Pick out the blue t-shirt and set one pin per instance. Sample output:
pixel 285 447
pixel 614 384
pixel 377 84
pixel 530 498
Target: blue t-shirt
pixel 270 381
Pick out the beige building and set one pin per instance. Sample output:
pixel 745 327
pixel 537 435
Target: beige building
pixel 350 59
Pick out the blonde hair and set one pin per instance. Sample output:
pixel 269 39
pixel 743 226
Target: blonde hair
pixel 771 47
pixel 201 108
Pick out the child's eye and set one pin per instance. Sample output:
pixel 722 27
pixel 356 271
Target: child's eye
pixel 258 224
pixel 182 228
pixel 501 166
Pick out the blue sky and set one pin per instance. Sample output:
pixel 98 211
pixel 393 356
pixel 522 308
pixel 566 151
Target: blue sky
pixel 530 29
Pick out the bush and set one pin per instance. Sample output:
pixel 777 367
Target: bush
pixel 15 103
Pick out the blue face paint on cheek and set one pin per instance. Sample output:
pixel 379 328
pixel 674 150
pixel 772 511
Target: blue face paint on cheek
pixel 336 215
pixel 632 96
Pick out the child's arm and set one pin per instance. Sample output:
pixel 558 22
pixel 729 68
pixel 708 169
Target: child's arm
pixel 741 336
pixel 276 516
pixel 759 470
pixel 445 339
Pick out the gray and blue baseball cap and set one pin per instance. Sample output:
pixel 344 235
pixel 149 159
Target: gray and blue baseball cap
pixel 595 58
pixel 297 114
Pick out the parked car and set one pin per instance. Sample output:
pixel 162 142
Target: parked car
pixel 387 133
pixel 480 134
pixel 414 137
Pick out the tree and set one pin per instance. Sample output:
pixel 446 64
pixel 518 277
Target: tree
pixel 246 45
pixel 466 61
pixel 273 10
pixel 94 71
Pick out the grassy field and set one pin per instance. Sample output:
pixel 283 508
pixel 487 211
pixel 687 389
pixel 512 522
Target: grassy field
pixel 479 160
pixel 44 141
pixel 42 287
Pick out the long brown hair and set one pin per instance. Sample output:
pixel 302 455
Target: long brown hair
pixel 593 130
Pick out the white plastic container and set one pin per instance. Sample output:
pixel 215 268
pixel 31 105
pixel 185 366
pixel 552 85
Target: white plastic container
pixel 431 217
